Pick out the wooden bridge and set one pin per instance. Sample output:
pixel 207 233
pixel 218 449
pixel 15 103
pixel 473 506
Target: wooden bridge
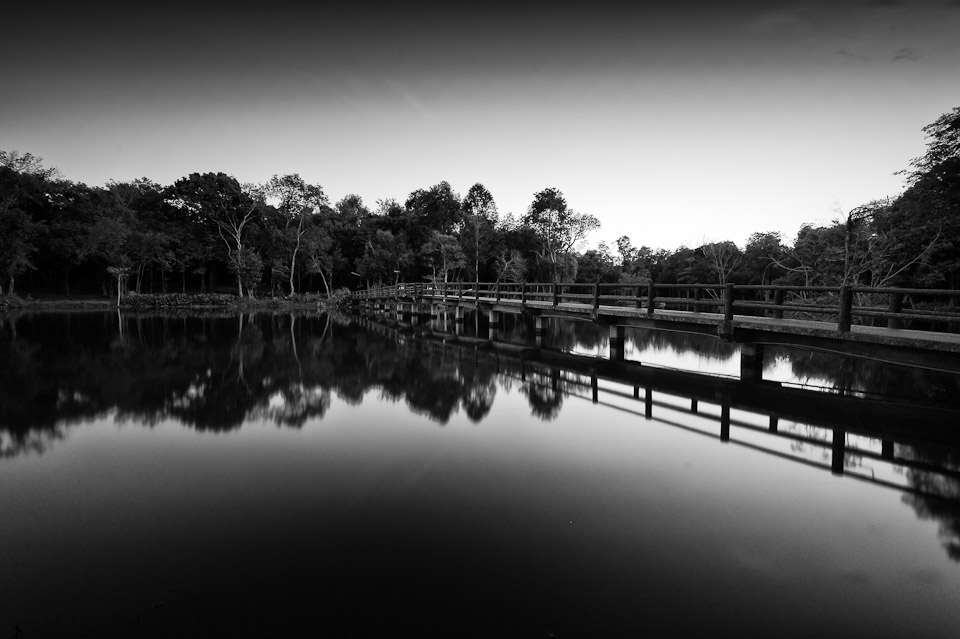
pixel 906 326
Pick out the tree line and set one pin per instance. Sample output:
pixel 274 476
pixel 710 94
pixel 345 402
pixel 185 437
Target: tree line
pixel 207 232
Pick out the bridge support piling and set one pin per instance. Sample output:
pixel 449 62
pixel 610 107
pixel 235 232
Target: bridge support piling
pixel 458 315
pixel 751 362
pixel 617 335
pixel 493 318
pixel 648 403
pixel 540 326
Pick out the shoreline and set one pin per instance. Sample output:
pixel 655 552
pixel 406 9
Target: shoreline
pixel 164 302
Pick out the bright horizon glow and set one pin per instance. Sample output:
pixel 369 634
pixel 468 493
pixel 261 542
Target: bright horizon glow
pixel 674 127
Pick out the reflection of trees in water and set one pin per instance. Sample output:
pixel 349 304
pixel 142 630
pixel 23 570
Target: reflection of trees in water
pixel 702 345
pixel 942 499
pixel 861 375
pixel 838 370
pixel 545 402
pixel 210 373
pixel 567 335
pixel 215 373
pixel 478 392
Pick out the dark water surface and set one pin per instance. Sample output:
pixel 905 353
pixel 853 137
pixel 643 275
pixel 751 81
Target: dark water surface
pixel 280 475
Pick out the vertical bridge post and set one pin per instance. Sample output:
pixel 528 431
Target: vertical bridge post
pixel 751 362
pixel 617 335
pixel 728 293
pixel 726 328
pixel 896 305
pixel 846 309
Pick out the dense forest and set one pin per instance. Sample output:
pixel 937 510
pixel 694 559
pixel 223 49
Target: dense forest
pixel 208 232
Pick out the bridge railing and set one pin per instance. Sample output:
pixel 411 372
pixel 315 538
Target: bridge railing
pixel 937 309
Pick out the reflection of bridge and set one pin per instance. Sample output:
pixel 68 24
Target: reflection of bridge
pixel 694 308
pixel 852 432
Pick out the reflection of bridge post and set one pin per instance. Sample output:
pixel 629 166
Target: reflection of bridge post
pixel 595 388
pixel 751 362
pixel 539 329
pixel 725 418
pixel 617 334
pixel 458 315
pixel 648 403
pixel 493 318
pixel 839 450
pixel 886 448
pixel 693 405
pixel 774 423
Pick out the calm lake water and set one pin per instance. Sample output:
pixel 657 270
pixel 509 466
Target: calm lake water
pixel 302 475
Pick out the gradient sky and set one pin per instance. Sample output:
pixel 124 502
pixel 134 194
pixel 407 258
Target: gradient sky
pixel 690 122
